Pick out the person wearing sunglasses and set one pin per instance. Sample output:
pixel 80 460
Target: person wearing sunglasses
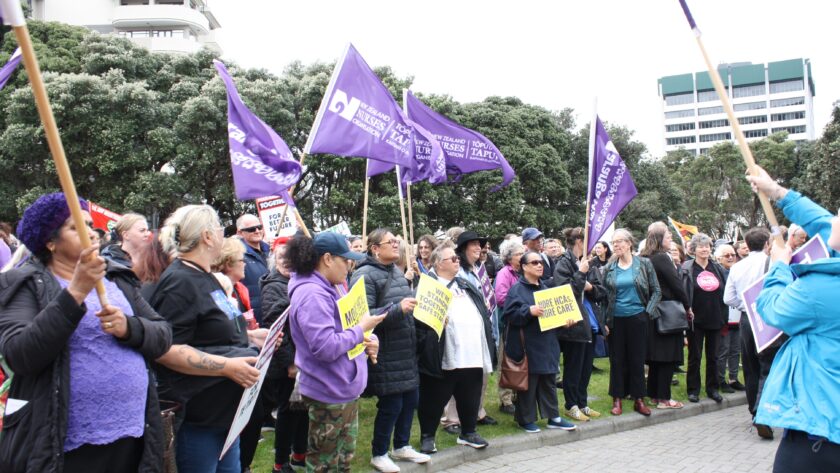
pixel 729 347
pixel 250 231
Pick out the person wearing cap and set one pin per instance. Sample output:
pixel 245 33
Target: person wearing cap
pixel 257 252
pixel 534 240
pixel 330 382
pixel 394 379
pixel 82 378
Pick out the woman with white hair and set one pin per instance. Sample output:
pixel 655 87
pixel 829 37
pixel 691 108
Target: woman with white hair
pixel 511 251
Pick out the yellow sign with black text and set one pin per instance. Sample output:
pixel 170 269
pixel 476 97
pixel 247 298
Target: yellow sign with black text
pixel 351 308
pixel 433 299
pixel 559 305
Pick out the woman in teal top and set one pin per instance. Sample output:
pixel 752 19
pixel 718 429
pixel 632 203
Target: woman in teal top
pixel 632 295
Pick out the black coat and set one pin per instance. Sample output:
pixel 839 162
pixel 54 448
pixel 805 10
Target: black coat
pixel 666 348
pixel 705 320
pixel 37 319
pixel 274 288
pixel 430 349
pixel 566 272
pixel 115 253
pixel 542 348
pixel 396 367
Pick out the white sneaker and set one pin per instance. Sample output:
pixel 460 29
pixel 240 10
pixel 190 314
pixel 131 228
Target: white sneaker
pixel 384 464
pixel 408 453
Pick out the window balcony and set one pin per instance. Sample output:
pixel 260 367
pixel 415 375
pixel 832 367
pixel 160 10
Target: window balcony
pixel 142 16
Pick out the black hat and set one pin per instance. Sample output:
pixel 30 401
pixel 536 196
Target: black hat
pixel 467 237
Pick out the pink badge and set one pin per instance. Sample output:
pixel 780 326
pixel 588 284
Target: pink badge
pixel 707 281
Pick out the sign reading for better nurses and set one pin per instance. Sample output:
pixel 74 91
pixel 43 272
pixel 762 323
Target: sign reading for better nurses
pixel 433 299
pixel 351 308
pixel 559 305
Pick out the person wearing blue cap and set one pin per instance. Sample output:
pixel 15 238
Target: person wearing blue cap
pixel 534 240
pixel 329 380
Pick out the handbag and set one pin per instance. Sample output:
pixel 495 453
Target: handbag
pixel 672 318
pixel 514 374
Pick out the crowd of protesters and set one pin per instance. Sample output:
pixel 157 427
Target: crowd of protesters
pixel 186 311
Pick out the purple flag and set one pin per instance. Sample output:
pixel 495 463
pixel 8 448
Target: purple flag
pixel 610 186
pixel 466 150
pixel 359 117
pixel 9 68
pixel 261 161
pixel 376 167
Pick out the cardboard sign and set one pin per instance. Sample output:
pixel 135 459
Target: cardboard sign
pixel 487 289
pixel 433 299
pixel 269 210
pixel 559 305
pixel 351 308
pixel 342 229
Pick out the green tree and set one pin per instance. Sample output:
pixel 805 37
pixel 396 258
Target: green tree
pixel 819 178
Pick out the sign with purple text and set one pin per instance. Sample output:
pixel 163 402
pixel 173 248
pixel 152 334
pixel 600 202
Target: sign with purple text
pixel 487 289
pixel 764 334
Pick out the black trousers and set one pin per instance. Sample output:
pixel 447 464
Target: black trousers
pixel 659 378
pixel 577 370
pixel 628 347
pixel 542 394
pixel 464 384
pixel 697 339
pixel 756 366
pixel 291 431
pixel 798 453
pixel 122 455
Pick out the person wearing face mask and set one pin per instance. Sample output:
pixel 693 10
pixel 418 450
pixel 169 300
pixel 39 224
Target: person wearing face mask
pixel 132 231
pixel 801 390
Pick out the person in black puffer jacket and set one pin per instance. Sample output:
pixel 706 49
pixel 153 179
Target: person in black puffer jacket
pixel 394 379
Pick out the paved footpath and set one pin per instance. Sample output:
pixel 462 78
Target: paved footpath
pixel 720 441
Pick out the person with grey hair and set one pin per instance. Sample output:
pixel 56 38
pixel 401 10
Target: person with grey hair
pixel 797 236
pixel 511 251
pixel 705 281
pixel 729 350
pixel 250 231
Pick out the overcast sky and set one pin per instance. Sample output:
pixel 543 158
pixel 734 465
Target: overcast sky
pixel 555 54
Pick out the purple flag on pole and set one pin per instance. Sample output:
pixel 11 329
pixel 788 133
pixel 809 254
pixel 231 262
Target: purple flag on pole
pixel 610 186
pixel 376 167
pixel 9 68
pixel 359 117
pixel 261 161
pixel 466 150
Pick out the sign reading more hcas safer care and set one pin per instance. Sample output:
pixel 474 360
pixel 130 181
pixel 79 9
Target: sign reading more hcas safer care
pixel 270 210
pixel 433 299
pixel 559 305
pixel 351 308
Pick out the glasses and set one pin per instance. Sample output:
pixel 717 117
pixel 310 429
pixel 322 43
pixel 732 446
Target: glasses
pixel 454 259
pixel 534 262
pixel 253 229
pixel 728 255
pixel 618 241
pixel 389 242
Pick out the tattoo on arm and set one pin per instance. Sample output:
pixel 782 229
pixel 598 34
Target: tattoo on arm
pixel 200 360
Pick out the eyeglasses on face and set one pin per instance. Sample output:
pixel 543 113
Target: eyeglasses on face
pixel 535 262
pixel 618 241
pixel 389 242
pixel 728 255
pixel 454 258
pixel 253 229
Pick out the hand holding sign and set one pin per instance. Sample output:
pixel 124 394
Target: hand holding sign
pixel 536 311
pixel 241 371
pixel 559 307
pixel 408 304
pixel 781 253
pixel 432 303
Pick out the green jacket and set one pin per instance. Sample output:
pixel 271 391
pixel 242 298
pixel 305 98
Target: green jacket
pixel 647 286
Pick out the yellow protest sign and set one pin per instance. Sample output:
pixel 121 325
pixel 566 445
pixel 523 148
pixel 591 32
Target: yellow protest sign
pixel 352 307
pixel 433 300
pixel 559 305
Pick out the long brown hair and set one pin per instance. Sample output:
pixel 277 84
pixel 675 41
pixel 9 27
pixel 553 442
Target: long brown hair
pixel 655 241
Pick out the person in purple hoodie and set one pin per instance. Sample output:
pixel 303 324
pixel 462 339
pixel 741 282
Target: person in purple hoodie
pixel 329 380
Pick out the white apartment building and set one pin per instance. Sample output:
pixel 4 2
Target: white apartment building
pixel 767 98
pixel 175 26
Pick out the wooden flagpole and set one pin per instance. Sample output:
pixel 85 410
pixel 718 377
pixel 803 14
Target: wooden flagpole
pixel 746 153
pixel 13 13
pixel 402 203
pixel 410 219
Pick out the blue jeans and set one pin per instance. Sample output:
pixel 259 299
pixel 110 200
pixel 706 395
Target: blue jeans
pixel 197 450
pixel 394 413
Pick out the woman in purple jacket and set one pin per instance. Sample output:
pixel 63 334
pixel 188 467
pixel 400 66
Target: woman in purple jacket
pixel 330 381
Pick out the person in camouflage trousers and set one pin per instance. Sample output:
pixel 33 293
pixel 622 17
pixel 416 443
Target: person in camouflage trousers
pixel 332 435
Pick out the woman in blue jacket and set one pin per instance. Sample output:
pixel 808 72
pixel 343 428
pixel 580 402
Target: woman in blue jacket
pixel 802 389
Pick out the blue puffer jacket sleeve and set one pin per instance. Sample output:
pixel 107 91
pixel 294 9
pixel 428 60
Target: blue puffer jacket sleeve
pixel 808 215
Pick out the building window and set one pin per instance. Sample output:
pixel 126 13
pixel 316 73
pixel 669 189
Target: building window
pixel 714 123
pixel 680 140
pixel 787 86
pixel 753 119
pixel 715 137
pixel 703 151
pixel 169 2
pixel 707 96
pixel 779 117
pixel 740 107
pixel 790 129
pixel 679 127
pixel 748 91
pixel 709 110
pixel 787 102
pixel 680 99
pixel 133 2
pixel 755 133
pixel 680 113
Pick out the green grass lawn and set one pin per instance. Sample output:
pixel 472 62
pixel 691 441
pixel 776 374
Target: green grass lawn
pixel 599 400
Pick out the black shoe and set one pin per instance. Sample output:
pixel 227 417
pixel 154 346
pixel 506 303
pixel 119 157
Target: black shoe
pixel 693 398
pixel 287 468
pixel 736 385
pixel 427 444
pixel 454 429
pixel 715 396
pixel 559 384
pixel 764 431
pixel 473 440
pixel 507 409
pixel 595 369
pixel 675 381
pixel 297 464
pixel 487 420
pixel 725 388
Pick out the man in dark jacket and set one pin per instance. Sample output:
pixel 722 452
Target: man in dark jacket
pixel 534 240
pixel 455 364
pixel 257 252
